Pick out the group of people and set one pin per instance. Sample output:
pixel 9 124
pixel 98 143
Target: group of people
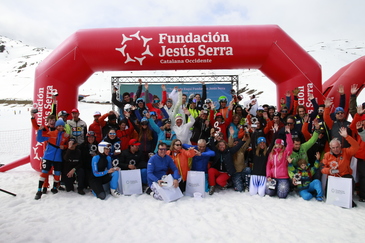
pixel 261 149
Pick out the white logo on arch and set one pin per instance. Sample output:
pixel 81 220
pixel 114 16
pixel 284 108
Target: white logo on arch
pixel 133 57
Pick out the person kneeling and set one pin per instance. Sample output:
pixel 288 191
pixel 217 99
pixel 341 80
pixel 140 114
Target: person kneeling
pixel 103 172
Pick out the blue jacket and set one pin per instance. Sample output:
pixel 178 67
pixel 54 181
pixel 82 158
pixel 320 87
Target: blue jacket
pixel 161 134
pixel 53 151
pixel 158 166
pixel 200 163
pixel 100 165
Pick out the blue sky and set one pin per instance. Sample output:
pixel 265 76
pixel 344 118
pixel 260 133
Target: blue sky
pixel 47 23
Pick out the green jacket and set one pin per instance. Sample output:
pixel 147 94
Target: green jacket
pixel 302 153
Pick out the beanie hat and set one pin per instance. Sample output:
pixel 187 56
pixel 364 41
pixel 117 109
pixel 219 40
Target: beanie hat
pixel 260 140
pixel 60 122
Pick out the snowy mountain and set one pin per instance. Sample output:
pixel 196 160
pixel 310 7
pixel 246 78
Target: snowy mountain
pixel 18 62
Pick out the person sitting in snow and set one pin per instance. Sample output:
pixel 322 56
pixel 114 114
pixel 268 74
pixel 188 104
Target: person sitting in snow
pixel 303 178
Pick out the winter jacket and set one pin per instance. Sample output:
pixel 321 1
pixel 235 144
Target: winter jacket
pixel 335 127
pixel 239 156
pixel 200 163
pixel 183 131
pixel 125 135
pixel 181 160
pixel 101 164
pixel 158 166
pixel 161 134
pixel 115 144
pixel 78 130
pixel 223 160
pixel 277 164
pixel 200 130
pixel 223 125
pixel 55 139
pixel 343 159
pixel 126 156
pixel 306 174
pixel 88 151
pixel 97 129
pixel 72 160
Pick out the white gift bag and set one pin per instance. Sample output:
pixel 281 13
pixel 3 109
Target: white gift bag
pixel 195 182
pixel 168 194
pixel 339 191
pixel 130 182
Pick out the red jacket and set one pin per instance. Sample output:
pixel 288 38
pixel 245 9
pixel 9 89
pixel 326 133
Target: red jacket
pixel 126 135
pixel 96 128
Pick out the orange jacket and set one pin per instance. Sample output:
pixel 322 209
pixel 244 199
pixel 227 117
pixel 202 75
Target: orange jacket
pixel 181 160
pixel 343 159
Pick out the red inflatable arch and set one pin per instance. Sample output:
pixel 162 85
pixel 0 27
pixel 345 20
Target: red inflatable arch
pixel 267 48
pixel 353 73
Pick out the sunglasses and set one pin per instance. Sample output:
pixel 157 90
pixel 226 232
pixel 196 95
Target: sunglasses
pixel 320 110
pixel 289 123
pixel 162 149
pixel 177 144
pixel 339 113
pixel 156 101
pixel 284 111
pixel 112 133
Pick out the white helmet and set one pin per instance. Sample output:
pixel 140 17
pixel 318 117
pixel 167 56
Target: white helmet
pixel 102 146
pixel 127 107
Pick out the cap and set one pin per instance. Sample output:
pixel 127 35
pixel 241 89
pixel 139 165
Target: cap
pixel 169 101
pixel 73 140
pixel 279 141
pixel 260 108
pixel 97 113
pixel 276 113
pixel 134 142
pixel 60 122
pixel 62 113
pixel 207 101
pixel 90 134
pixel 339 109
pixel 261 140
pixel 74 110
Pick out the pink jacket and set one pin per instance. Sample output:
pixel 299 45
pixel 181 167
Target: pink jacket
pixel 278 167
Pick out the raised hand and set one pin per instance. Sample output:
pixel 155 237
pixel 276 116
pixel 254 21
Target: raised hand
pixel 343 132
pixel 354 89
pixel 328 102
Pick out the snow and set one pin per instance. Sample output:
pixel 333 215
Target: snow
pixel 226 216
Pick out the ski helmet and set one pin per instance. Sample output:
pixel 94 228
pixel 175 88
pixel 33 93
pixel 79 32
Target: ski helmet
pixel 102 146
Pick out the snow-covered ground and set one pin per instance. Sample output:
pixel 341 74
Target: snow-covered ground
pixel 227 216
